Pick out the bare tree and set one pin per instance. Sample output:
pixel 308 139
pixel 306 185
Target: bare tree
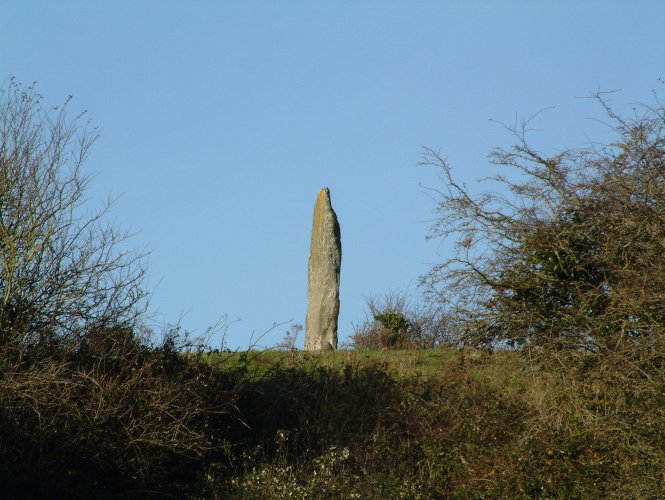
pixel 62 269
pixel 568 254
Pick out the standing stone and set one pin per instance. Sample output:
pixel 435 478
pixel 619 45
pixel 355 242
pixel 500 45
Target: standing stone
pixel 325 259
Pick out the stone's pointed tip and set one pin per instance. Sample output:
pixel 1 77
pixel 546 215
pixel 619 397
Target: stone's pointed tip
pixel 324 195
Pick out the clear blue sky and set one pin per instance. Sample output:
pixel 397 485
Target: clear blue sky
pixel 221 120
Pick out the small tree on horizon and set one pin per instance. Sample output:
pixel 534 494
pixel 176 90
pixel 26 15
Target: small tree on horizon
pixel 393 321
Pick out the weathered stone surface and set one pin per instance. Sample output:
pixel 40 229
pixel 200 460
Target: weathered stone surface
pixel 325 259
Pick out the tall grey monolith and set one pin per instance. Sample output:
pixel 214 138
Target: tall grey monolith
pixel 325 259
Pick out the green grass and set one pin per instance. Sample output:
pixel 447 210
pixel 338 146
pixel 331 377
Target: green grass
pixel 408 363
pixel 500 369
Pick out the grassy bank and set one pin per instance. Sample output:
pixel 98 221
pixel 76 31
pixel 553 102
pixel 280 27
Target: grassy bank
pixel 346 424
pixel 441 423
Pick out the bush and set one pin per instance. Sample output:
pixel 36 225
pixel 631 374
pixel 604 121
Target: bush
pixel 566 256
pixel 394 323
